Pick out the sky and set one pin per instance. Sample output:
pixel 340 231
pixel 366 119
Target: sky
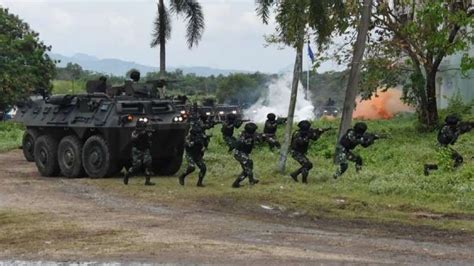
pixel 233 38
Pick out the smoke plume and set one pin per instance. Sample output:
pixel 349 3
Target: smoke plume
pixel 277 101
pixel 384 106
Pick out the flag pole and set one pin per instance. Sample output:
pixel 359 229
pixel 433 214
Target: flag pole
pixel 307 78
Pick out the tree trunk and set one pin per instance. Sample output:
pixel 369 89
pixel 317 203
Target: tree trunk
pixel 291 109
pixel 354 75
pixel 430 111
pixel 161 10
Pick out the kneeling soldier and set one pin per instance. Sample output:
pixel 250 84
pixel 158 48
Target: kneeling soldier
pixel 299 148
pixel 269 130
pixel 243 148
pixel 141 156
pixel 448 135
pixel 350 140
pixel 195 146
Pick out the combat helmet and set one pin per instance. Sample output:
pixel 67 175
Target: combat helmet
pixel 250 128
pixel 135 76
pixel 360 128
pixel 452 120
pixel 304 125
pixel 271 116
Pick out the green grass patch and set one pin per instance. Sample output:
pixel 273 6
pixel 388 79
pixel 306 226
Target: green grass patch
pixel 390 188
pixel 10 136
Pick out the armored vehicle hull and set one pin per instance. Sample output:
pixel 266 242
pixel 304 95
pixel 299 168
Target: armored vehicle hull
pixel 90 135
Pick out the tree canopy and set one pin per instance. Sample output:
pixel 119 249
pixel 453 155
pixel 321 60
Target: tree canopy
pixel 24 62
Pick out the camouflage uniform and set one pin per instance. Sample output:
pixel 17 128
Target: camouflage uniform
pixel 299 147
pixel 243 148
pixel 195 145
pixel 269 133
pixel 345 147
pixel 228 132
pixel 141 156
pixel 448 135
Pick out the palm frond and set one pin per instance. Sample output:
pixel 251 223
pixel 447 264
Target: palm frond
pixel 161 26
pixel 194 17
pixel 263 9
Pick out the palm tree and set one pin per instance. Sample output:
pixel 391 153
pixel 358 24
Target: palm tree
pixel 194 17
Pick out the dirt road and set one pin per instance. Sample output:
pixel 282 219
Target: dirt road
pixel 47 219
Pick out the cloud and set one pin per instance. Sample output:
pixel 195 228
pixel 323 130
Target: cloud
pixel 233 37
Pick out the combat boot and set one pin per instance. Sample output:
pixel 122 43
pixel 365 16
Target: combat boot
pixel 181 179
pixel 253 181
pixel 237 181
pixel 305 179
pixel 126 176
pixel 148 182
pixel 358 168
pixel 294 175
pixel 199 183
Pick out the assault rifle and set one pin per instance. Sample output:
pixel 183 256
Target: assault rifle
pixel 466 126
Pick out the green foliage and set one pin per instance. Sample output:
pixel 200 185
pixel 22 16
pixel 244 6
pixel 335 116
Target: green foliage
pixel 456 105
pixel 241 88
pixel 10 136
pixel 411 40
pixel 293 18
pixel 24 64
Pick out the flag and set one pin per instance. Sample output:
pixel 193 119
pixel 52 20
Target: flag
pixel 310 53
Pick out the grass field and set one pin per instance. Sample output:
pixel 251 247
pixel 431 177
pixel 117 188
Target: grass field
pixel 10 136
pixel 390 188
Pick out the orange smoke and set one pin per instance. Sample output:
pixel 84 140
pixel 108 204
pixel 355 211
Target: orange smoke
pixel 383 106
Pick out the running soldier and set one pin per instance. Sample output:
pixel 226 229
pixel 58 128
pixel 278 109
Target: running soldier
pixel 448 135
pixel 243 148
pixel 299 147
pixel 141 156
pixel 195 146
pixel 346 145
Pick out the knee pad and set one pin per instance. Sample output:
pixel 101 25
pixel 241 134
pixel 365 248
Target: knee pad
pixel 358 160
pixel 309 165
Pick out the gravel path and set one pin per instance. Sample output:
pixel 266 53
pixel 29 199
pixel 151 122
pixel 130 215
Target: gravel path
pixel 123 230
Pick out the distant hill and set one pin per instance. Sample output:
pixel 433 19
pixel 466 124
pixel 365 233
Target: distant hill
pixel 119 67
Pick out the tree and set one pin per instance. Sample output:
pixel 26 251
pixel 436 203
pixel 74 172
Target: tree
pixel 295 20
pixel 74 72
pixel 24 62
pixel 411 39
pixel 352 88
pixel 194 17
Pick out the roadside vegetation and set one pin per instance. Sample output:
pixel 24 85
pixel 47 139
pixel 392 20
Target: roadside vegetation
pixel 10 136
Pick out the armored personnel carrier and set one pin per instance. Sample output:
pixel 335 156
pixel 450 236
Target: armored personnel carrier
pixel 89 134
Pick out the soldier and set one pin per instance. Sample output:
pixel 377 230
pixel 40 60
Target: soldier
pixel 348 142
pixel 269 130
pixel 195 146
pixel 299 148
pixel 227 130
pixel 141 156
pixel 135 76
pixel 448 135
pixel 243 148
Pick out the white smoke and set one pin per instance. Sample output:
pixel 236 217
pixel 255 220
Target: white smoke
pixel 277 101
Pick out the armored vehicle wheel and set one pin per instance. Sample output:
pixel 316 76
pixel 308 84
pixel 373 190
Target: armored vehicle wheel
pixel 28 144
pixel 70 156
pixel 97 157
pixel 169 166
pixel 46 155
